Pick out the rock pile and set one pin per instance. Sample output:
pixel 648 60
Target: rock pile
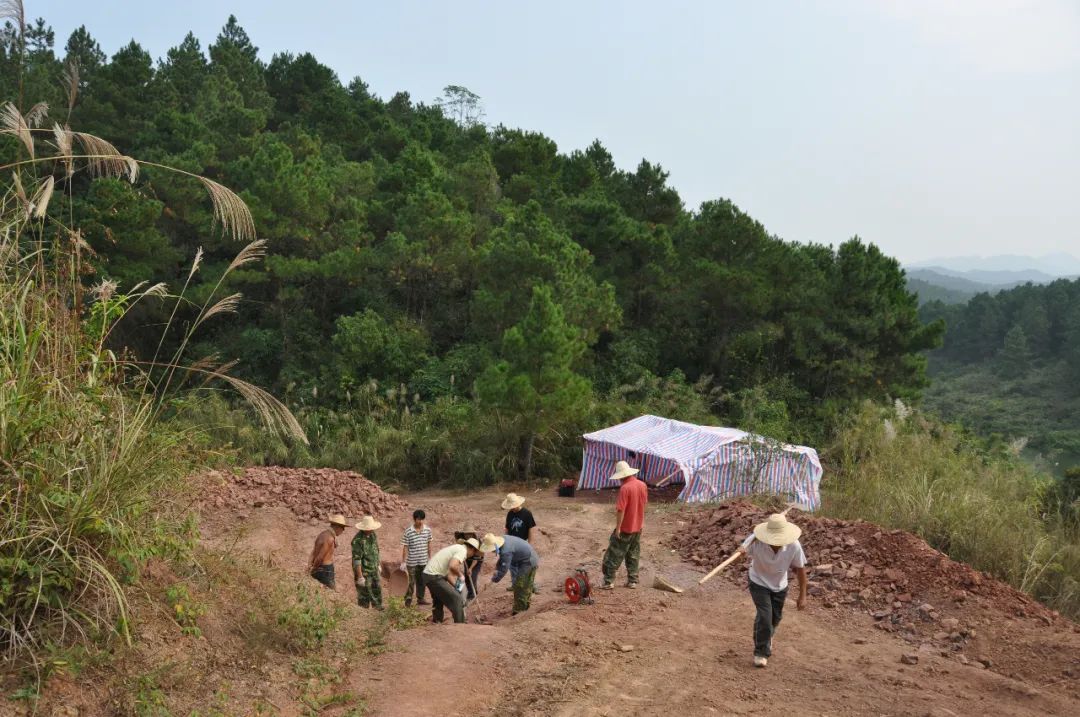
pixel 893 575
pixel 307 492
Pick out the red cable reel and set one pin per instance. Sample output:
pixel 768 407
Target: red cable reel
pixel 577 587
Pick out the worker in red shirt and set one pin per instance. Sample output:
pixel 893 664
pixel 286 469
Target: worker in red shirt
pixel 625 542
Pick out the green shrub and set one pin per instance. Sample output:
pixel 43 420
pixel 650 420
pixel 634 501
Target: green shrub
pixel 186 610
pixel 306 619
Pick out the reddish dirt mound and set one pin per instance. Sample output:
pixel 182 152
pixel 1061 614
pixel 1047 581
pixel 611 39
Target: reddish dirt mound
pixel 307 492
pixel 891 574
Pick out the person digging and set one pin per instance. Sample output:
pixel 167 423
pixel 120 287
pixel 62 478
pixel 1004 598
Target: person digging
pixel 773 549
pixel 474 563
pixel 518 557
pixel 321 562
pixel 625 542
pixel 442 573
pixel 520 523
pixel 365 564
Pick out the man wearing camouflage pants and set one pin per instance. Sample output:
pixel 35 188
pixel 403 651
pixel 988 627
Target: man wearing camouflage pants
pixel 625 541
pixel 365 561
pixel 517 556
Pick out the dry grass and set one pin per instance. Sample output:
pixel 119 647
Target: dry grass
pixel 987 511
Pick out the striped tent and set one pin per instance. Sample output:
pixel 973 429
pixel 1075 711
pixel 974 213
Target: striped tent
pixel 711 463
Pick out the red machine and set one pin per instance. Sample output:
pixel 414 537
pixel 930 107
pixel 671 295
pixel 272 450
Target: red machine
pixel 578 588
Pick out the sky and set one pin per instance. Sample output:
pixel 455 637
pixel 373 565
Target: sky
pixel 928 127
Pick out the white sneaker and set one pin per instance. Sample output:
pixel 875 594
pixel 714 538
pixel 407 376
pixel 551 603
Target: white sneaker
pixel 760 661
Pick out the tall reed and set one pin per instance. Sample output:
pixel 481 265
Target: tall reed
pixel 91 474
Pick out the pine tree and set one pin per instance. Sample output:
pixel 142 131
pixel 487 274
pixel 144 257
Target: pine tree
pixel 534 380
pixel 1014 359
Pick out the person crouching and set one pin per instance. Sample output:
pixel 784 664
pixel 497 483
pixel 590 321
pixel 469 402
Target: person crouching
pixel 773 549
pixel 442 573
pixel 517 556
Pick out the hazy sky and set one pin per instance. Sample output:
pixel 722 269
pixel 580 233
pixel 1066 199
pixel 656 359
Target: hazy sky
pixel 929 127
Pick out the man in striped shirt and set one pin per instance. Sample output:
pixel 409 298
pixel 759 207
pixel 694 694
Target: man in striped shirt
pixel 415 554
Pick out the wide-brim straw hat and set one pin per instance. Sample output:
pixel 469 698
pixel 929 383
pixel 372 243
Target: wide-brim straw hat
pixel 464 530
pixel 623 470
pixel 368 523
pixel 338 519
pixel 472 542
pixel 777 531
pixel 490 542
pixel 513 500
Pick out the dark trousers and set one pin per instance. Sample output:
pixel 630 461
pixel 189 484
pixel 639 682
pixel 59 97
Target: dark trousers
pixel 770 608
pixel 416 584
pixel 325 575
pixel 472 575
pixel 443 593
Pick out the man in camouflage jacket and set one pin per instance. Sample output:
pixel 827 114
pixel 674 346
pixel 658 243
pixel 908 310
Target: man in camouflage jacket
pixel 365 561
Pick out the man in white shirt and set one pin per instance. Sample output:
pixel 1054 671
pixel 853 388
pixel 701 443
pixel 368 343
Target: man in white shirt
pixel 442 573
pixel 773 549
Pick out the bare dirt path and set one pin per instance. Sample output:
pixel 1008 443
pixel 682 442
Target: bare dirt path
pixel 689 653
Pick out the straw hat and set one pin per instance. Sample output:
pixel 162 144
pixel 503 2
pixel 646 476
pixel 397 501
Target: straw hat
pixel 368 523
pixel 338 519
pixel 777 531
pixel 465 529
pixel 491 541
pixel 473 543
pixel 623 470
pixel 513 500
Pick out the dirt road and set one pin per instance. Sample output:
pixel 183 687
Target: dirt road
pixel 646 652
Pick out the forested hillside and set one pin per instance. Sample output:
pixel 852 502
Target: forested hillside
pixel 432 280
pixel 1010 365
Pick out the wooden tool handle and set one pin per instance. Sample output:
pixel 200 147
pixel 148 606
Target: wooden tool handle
pixel 720 567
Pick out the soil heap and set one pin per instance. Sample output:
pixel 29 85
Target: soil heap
pixel 893 575
pixel 307 492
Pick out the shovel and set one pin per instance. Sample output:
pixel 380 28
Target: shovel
pixel 479 618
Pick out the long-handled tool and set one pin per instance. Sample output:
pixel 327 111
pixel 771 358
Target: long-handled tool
pixel 712 573
pixel 735 556
pixel 479 618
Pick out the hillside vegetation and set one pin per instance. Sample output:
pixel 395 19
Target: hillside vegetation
pixel 430 276
pixel 1010 367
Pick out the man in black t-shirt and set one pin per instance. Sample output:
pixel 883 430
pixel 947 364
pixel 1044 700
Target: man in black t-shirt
pixel 519 521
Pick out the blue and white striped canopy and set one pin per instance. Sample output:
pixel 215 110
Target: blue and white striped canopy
pixel 712 463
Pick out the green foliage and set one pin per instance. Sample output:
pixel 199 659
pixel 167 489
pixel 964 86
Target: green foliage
pixel 186 609
pixel 1009 369
pixel 985 509
pixel 1015 356
pixel 408 238
pixel 306 619
pixel 94 473
pixel 534 380
pixel 401 616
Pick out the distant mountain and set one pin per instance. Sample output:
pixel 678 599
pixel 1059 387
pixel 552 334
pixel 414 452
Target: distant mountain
pixel 927 292
pixel 956 287
pixel 1055 265
pixel 999 278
